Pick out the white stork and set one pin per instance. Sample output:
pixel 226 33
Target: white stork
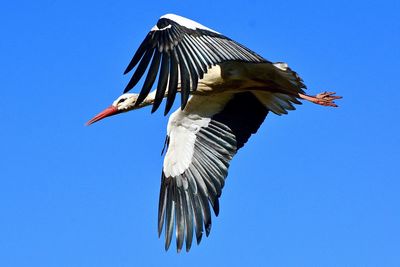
pixel 226 92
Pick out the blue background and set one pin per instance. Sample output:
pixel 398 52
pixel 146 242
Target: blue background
pixel 318 187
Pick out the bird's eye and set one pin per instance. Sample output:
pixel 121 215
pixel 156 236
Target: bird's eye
pixel 121 100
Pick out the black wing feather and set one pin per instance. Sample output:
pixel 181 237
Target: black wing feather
pixel 140 70
pixel 162 204
pixel 197 217
pixel 139 53
pixel 180 219
pixel 150 78
pixel 162 82
pixel 170 211
pixel 185 78
pixel 173 83
pixel 192 67
pixel 202 51
pixel 197 50
pixel 188 219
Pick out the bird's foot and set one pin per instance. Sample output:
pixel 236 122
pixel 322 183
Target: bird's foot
pixel 323 99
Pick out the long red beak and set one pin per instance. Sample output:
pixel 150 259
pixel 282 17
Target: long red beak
pixel 111 110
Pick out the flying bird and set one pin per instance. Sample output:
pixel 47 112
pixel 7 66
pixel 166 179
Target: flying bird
pixel 226 91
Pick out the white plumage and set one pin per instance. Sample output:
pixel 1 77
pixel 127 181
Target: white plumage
pixel 188 23
pixel 181 130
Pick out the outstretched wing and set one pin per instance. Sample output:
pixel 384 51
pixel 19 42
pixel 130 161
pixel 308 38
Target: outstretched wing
pixel 197 160
pixel 179 48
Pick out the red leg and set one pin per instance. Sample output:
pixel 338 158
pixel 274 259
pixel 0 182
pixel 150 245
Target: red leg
pixel 323 99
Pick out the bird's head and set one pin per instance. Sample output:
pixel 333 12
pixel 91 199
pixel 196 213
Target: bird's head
pixel 123 103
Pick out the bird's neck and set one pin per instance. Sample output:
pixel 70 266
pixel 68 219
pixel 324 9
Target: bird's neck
pixel 149 100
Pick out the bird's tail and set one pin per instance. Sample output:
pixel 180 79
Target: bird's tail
pixel 283 87
pixel 286 74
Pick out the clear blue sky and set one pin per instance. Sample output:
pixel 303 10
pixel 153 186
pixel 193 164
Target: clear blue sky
pixel 318 187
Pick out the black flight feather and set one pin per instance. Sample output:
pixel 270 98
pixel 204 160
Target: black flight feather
pixel 198 50
pixel 173 83
pixel 151 76
pixel 140 70
pixel 162 82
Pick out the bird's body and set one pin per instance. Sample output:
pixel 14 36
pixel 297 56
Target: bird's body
pixel 226 92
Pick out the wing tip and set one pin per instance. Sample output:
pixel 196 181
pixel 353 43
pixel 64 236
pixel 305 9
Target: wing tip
pixel 127 70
